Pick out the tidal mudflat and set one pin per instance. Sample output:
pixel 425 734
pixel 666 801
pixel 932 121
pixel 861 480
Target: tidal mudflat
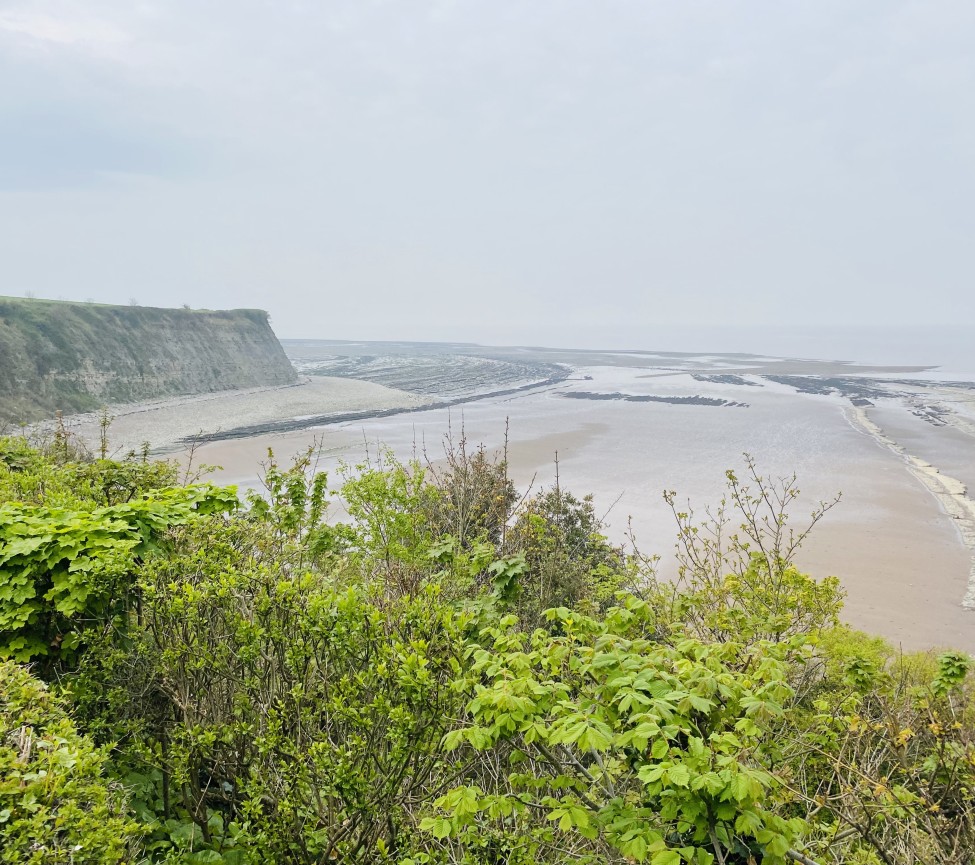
pixel 896 442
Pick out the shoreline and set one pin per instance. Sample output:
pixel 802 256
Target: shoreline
pixel 903 546
pixel 297 424
pixel 951 493
pixel 169 425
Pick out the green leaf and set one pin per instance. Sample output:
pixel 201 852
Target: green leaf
pixel 436 826
pixel 205 857
pixel 748 822
pixel 185 834
pixel 679 775
pixel 453 739
pixel 777 846
pixel 635 848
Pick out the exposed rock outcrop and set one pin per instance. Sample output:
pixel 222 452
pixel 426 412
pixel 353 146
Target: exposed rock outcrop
pixel 71 357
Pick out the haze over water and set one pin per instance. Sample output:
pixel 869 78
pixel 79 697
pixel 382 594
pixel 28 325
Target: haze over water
pixel 950 348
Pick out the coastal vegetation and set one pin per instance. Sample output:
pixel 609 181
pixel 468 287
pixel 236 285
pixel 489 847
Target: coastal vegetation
pixel 459 672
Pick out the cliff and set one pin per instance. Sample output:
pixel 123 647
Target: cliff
pixel 72 357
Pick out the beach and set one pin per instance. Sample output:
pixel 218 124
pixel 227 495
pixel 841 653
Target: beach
pixel 900 453
pixel 170 426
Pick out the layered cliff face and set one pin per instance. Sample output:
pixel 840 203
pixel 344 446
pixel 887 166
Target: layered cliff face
pixel 71 357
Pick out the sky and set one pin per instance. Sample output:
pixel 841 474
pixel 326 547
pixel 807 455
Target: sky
pixel 550 172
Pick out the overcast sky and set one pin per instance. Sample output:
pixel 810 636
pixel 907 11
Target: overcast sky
pixel 542 171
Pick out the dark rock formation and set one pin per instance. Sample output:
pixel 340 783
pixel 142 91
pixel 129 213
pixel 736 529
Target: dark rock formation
pixel 672 400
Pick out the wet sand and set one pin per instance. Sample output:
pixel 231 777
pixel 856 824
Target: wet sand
pixel 900 448
pixel 950 492
pixel 950 447
pixel 890 541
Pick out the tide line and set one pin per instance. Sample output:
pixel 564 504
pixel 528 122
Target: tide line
pixel 951 493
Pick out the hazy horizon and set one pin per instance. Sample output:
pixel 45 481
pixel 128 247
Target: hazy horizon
pixel 950 349
pixel 503 173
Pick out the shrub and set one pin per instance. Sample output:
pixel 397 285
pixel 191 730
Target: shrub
pixel 474 496
pixel 57 472
pixel 56 805
pixel 739 582
pixel 275 716
pixel 62 571
pixel 568 560
pixel 601 744
pixel 883 752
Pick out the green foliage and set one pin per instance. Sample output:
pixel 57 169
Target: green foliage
pixel 953 668
pixel 474 497
pixel 304 714
pixel 272 686
pixel 609 738
pixel 292 510
pixel 883 749
pixel 56 805
pixel 738 582
pixel 387 502
pixel 569 561
pixel 852 659
pixel 755 604
pixel 57 473
pixel 64 570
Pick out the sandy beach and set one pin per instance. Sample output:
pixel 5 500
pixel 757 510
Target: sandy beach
pixel 895 540
pixel 950 493
pixel 901 452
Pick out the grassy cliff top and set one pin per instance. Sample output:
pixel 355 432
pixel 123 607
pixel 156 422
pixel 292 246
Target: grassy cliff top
pixel 12 303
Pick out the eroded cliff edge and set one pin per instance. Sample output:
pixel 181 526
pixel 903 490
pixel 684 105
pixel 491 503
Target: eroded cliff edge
pixel 73 357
